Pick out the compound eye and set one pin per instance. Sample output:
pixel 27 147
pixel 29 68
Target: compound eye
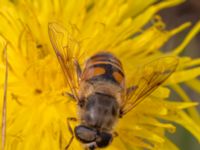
pixel 85 134
pixel 104 139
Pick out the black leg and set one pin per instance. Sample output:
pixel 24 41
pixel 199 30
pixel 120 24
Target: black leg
pixel 78 69
pixel 70 130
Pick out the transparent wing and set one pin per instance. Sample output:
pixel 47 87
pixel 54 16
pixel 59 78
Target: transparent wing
pixel 147 79
pixel 67 50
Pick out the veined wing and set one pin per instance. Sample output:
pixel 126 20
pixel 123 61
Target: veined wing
pixel 67 50
pixel 147 79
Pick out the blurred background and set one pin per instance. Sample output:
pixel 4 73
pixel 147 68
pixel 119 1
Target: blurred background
pixel 173 17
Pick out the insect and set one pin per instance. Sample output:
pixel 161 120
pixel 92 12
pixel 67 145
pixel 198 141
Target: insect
pixel 100 89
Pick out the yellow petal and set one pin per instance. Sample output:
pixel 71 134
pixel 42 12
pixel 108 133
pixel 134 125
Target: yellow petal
pixel 188 38
pixel 184 120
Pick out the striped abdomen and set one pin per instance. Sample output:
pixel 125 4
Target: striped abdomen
pixel 104 67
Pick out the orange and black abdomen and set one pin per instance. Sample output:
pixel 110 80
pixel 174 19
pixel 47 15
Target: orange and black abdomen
pixel 104 67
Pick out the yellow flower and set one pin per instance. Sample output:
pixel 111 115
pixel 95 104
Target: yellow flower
pixel 36 109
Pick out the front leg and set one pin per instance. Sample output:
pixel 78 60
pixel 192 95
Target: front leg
pixel 70 130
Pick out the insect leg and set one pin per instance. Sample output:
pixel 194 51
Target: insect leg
pixel 78 69
pixel 70 130
pixel 70 95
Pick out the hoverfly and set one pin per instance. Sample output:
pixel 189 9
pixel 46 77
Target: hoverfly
pixel 100 90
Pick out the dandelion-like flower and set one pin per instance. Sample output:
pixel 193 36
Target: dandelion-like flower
pixel 37 107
